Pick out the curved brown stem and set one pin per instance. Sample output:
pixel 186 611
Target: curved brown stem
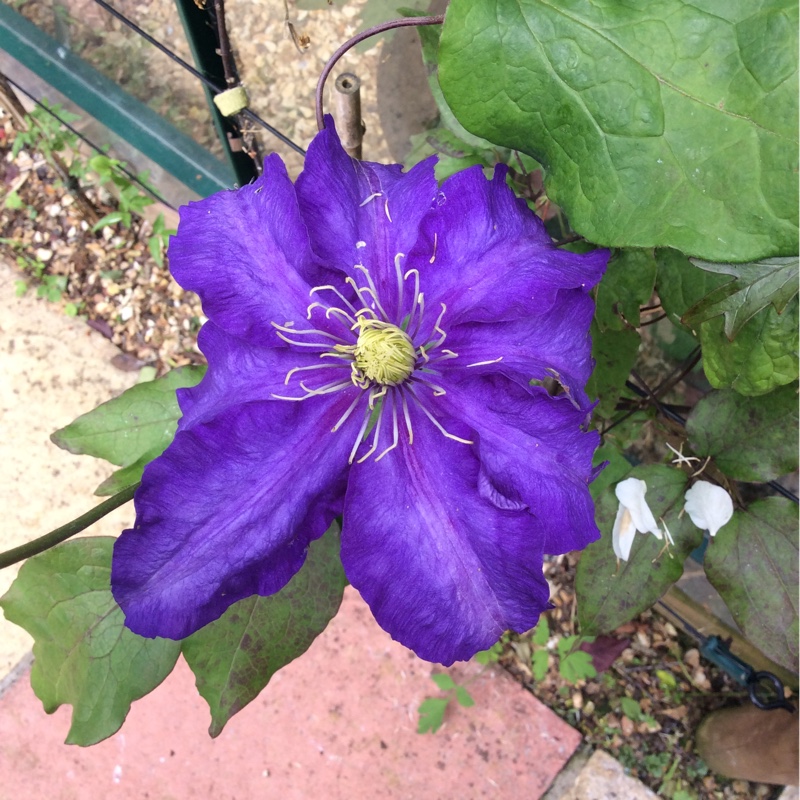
pixel 406 22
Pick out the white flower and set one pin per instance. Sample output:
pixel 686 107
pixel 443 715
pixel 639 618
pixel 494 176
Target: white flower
pixel 633 515
pixel 709 506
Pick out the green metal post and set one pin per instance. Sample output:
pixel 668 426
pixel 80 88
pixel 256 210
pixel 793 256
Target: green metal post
pixel 203 44
pixel 119 111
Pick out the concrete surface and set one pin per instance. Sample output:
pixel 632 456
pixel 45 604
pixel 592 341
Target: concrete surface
pixel 53 369
pixel 336 724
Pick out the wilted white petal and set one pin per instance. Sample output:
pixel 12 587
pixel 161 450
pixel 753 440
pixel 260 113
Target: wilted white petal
pixel 630 493
pixel 709 506
pixel 623 533
pixel 633 515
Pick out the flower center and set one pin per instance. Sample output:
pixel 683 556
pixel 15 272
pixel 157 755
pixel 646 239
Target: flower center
pixel 383 353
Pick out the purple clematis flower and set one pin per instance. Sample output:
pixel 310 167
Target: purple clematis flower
pixel 372 340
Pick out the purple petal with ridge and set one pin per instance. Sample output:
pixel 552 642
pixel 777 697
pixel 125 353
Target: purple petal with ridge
pixel 240 372
pixel 346 202
pixel 246 253
pixel 555 344
pixel 444 571
pixel 488 257
pixel 229 510
pixel 533 455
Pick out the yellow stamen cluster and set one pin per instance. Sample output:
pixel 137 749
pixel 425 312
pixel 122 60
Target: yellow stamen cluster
pixel 383 354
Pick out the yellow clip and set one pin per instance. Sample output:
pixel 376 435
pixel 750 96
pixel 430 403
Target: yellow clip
pixel 231 101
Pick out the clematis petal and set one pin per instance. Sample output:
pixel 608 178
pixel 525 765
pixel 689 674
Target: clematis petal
pixel 488 258
pixel 240 372
pixel 553 344
pixel 533 453
pixel 709 506
pixel 630 494
pixel 444 571
pixel 245 253
pixel 363 213
pixel 228 511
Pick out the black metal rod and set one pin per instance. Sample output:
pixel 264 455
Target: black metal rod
pixel 215 86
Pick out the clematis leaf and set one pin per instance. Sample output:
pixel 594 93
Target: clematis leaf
pixel 234 657
pixel 752 563
pixel 681 119
pixel 429 37
pixel 627 284
pixel 453 155
pixel 615 470
pixel 680 284
pixel 756 286
pixel 749 439
pixel 83 653
pixel 132 429
pixel 614 353
pixel 762 357
pixel 610 594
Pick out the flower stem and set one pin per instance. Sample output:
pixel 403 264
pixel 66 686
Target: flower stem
pixel 405 22
pixel 65 531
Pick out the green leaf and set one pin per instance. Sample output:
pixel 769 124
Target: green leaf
pixel 576 667
pixel 627 284
pixel 431 714
pixel 617 468
pixel 489 656
pixel 465 699
pixel 762 357
pixel 443 681
pixel 668 125
pixel 610 594
pixel 83 654
pixel 13 201
pixel 756 286
pixel 680 284
pixel 631 708
pixel 127 476
pixel 666 679
pixel 453 155
pixel 541 633
pixel 110 219
pixel 539 662
pixel 749 440
pixel 138 424
pixel 234 657
pixel 429 36
pixel 615 354
pixel 565 645
pixel 752 563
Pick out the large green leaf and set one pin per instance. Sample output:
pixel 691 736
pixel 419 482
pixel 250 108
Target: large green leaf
pixel 610 594
pixel 132 429
pixel 752 563
pixel 660 124
pixel 680 284
pixel 762 357
pixel 614 353
pixel 749 439
pixel 755 286
pixel 627 284
pixel 235 657
pixel 83 654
